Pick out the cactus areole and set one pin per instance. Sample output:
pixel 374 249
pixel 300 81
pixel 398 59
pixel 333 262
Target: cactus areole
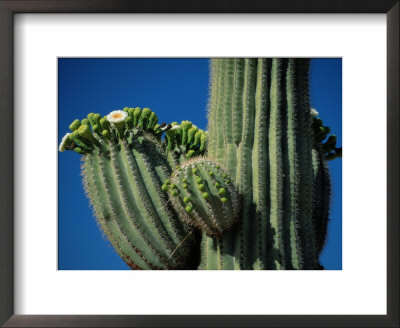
pixel 253 192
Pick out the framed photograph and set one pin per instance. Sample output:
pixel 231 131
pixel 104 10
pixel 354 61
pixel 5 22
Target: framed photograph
pixel 182 86
pixel 79 78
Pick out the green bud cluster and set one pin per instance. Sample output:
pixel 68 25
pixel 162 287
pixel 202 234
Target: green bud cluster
pixel 204 195
pixel 320 132
pixel 186 140
pixel 95 130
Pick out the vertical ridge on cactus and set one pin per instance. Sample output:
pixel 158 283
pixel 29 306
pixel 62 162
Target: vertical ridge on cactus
pixel 244 170
pixel 276 165
pixel 260 157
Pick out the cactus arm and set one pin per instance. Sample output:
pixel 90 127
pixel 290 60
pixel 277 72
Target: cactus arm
pixel 122 174
pixel 204 195
pixel 260 160
pixel 105 217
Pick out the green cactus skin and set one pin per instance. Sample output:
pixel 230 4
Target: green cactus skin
pixel 260 129
pixel 123 169
pixel 204 196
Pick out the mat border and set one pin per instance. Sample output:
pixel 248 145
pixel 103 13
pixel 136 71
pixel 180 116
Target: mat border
pixel 10 7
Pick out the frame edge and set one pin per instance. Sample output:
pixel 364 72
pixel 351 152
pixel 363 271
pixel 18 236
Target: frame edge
pixel 393 147
pixel 6 165
pixel 6 200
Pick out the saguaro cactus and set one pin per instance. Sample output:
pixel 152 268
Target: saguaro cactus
pixel 260 128
pixel 255 187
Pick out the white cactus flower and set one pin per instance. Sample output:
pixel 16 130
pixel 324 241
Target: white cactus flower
pixel 175 127
pixel 314 112
pixel 117 116
pixel 63 142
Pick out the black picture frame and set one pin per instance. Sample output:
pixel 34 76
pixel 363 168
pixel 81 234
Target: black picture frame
pixel 10 7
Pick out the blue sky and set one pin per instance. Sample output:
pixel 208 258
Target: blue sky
pixel 175 89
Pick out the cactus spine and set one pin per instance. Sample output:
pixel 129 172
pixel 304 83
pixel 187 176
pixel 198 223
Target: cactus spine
pixel 262 107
